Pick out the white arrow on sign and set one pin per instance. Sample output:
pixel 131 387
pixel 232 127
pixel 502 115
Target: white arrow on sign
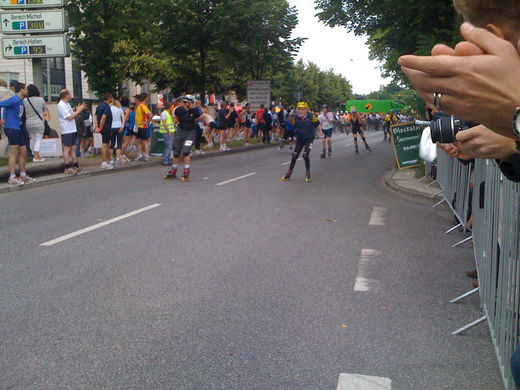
pixel 34 22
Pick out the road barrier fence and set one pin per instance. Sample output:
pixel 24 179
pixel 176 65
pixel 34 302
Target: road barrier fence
pixel 478 189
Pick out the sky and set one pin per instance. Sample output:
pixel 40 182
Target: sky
pixel 335 48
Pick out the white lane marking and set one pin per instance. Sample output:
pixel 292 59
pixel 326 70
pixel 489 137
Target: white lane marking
pixel 362 282
pixel 363 382
pixel 98 225
pixel 378 216
pixel 235 179
pixel 288 162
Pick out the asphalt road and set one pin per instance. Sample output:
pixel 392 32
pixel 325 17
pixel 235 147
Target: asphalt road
pixel 251 284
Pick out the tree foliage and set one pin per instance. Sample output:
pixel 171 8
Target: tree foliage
pixel 310 83
pixel 393 27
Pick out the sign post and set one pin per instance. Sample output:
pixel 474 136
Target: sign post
pixel 26 4
pixel 35 46
pixel 27 19
pixel 258 93
pixel 406 138
pixel 34 22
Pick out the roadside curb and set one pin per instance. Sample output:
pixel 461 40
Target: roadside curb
pixel 390 182
pixel 54 170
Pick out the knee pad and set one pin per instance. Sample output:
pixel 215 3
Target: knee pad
pixel 186 150
pixel 176 154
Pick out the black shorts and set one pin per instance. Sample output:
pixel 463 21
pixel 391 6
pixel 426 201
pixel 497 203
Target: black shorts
pixel 89 132
pixel 327 133
pixel 142 133
pixel 212 125
pixel 14 137
pixel 289 134
pixel 106 136
pixel 116 139
pixel 182 139
pixel 69 140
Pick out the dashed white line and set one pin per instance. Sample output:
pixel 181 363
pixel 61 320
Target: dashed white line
pixel 377 218
pixel 363 382
pixel 98 225
pixel 236 179
pixel 288 162
pixel 363 283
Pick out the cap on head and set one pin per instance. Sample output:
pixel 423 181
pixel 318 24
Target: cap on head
pixel 302 105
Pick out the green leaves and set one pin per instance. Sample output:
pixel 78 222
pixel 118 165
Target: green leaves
pixel 393 27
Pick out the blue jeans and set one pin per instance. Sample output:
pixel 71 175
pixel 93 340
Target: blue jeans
pixel 166 157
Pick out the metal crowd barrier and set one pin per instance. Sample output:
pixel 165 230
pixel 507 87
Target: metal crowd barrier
pixel 496 242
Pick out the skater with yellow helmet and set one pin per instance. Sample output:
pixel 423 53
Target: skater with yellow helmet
pixel 305 125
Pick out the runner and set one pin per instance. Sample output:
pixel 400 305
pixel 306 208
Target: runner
pixel 188 116
pixel 355 123
pixel 288 134
pixel 245 123
pixel 326 126
pixel 305 126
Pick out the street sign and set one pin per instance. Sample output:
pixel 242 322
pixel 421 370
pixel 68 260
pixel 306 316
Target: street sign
pixel 259 92
pixel 406 138
pixel 23 4
pixel 36 46
pixel 34 22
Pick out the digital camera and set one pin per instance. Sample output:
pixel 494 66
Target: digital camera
pixel 444 128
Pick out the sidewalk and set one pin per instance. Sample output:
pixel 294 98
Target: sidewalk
pixel 51 170
pixel 405 181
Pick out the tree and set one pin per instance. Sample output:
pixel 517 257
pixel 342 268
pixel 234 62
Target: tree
pixel 98 26
pixel 393 27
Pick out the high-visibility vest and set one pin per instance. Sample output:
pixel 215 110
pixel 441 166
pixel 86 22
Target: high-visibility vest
pixel 169 122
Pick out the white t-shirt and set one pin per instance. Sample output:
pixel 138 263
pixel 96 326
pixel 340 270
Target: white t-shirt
pixel 326 125
pixel 117 117
pixel 64 111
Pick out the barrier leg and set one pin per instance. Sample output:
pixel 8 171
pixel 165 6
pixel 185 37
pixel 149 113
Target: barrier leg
pixel 463 241
pixel 454 228
pixel 469 326
pixel 438 204
pixel 469 293
pixel 437 194
pixel 424 177
pixel 432 183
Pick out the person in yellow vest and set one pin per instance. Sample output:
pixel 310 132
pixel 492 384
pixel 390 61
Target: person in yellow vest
pixel 388 123
pixel 167 130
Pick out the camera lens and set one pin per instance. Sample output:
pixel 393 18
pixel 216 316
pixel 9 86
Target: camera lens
pixel 444 129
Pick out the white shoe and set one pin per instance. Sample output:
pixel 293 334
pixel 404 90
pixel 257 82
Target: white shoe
pixel 147 158
pixel 208 146
pixel 139 158
pixel 27 179
pixel 196 152
pixel 118 161
pixel 106 165
pixel 15 181
pixel 38 159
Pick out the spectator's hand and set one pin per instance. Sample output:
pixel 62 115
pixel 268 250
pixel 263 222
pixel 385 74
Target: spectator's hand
pixel 453 151
pixel 170 135
pixel 121 129
pixel 480 142
pixel 2 122
pixel 483 88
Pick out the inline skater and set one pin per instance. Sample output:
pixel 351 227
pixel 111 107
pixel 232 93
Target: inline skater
pixel 326 119
pixel 355 124
pixel 305 125
pixel 188 116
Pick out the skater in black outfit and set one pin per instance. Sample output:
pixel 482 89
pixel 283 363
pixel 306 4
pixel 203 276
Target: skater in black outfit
pixel 355 123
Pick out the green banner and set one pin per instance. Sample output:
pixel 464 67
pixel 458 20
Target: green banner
pixel 383 106
pixel 406 138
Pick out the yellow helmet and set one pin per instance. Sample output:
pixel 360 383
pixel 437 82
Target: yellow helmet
pixel 302 105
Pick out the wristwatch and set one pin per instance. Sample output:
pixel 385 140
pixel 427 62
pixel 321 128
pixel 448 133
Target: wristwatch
pixel 516 123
